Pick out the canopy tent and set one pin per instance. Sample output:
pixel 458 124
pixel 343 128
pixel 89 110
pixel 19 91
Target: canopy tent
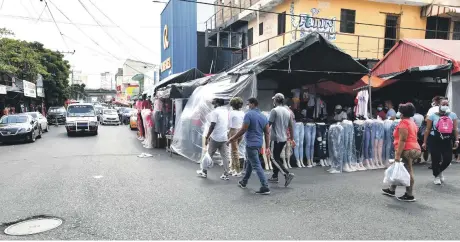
pixel 181 90
pixel 305 61
pixel 429 55
pixel 182 77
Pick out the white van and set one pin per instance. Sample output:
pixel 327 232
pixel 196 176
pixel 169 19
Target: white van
pixel 81 118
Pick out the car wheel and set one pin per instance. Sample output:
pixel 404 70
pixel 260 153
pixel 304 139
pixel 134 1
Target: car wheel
pixel 69 134
pixel 40 132
pixel 32 137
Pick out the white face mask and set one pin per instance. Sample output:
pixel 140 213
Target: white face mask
pixel 398 115
pixel 443 108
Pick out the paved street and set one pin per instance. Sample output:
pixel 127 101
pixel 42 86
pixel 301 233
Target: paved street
pixel 102 190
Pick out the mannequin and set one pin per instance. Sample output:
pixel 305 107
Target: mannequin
pixel 368 145
pixel 348 145
pixel 359 144
pixel 140 124
pixel 148 129
pixel 336 147
pixel 378 143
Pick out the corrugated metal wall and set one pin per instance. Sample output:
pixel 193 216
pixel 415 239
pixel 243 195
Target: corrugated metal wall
pixel 181 19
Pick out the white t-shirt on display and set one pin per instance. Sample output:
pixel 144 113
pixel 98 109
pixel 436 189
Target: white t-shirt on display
pixel 432 111
pixel 235 120
pixel 220 117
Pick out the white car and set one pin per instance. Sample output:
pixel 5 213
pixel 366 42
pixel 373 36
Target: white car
pixel 42 121
pixel 110 116
pixel 81 118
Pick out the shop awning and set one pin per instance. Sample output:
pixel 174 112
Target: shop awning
pixel 185 76
pixel 182 90
pixel 332 88
pixel 304 61
pixel 442 11
pixel 424 54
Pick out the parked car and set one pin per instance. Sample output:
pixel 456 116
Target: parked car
pixel 110 116
pixel 133 121
pixel 19 127
pixel 98 110
pixel 81 118
pixel 42 121
pixel 126 115
pixel 56 114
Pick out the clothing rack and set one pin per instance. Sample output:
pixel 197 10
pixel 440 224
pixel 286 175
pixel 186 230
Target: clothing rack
pixel 369 88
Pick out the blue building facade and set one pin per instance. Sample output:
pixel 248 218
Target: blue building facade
pixel 178 37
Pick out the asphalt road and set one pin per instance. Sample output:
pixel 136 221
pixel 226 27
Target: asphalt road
pixel 103 191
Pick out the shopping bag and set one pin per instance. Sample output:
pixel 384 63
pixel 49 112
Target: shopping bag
pixel 206 162
pixel 397 175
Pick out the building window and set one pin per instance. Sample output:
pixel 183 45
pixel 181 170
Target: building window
pixel 347 21
pixel 261 28
pixel 437 28
pixel 456 35
pixel 250 36
pixel 282 23
pixel 391 32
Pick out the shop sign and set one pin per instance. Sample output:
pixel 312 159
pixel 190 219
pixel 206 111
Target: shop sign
pixel 2 89
pixel 29 89
pixel 165 37
pixel 166 65
pixel 311 23
pixel 40 92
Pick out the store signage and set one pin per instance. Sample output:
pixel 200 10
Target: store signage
pixel 29 89
pixel 166 65
pixel 165 37
pixel 40 92
pixel 2 89
pixel 311 23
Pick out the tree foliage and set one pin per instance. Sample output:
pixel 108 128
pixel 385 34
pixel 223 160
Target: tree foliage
pixel 77 91
pixel 25 60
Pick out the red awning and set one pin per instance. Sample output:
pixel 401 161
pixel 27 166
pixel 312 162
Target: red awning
pixel 332 88
pixel 410 53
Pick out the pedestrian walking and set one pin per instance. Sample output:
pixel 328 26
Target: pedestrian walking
pixel 441 136
pixel 407 149
pixel 255 126
pixel 280 120
pixel 235 122
pixel 216 138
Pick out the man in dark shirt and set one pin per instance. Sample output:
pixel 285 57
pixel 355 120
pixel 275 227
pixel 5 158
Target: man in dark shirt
pixel 255 126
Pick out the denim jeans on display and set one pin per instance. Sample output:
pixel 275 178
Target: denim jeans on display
pixel 253 163
pixel 336 146
pixel 321 140
pixel 359 141
pixel 378 139
pixel 367 152
pixel 299 138
pixel 392 129
pixel 310 135
pixel 387 139
pixel 347 142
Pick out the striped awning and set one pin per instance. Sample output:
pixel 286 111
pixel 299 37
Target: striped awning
pixel 436 10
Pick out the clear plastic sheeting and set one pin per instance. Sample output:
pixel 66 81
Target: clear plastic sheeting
pixel 193 124
pixel 336 146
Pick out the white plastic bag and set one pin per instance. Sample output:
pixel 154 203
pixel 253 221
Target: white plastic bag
pixel 206 161
pixel 397 175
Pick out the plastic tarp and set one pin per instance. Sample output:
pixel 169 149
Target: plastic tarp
pixel 194 121
pixel 181 90
pixel 185 76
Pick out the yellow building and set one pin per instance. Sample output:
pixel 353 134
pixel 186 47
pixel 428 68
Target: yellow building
pixel 362 28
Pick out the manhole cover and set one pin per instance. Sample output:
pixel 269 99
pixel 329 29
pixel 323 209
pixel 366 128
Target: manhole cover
pixel 33 226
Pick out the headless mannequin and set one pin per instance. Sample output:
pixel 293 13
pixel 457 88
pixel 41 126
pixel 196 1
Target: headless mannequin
pixel 148 125
pixel 359 164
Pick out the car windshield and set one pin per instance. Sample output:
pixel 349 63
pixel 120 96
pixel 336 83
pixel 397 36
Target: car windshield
pixel 110 111
pixel 56 110
pixel 13 119
pixel 80 111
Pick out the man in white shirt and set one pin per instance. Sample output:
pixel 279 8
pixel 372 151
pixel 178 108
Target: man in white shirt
pixel 216 138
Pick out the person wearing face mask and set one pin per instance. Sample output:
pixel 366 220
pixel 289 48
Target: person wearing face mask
pixel 434 106
pixel 440 134
pixel 391 113
pixel 339 115
pixel 407 149
pixel 380 112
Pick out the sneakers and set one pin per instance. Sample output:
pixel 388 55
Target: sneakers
pixel 202 173
pixel 263 191
pixel 441 177
pixel 273 179
pixel 406 198
pixel 241 184
pixel 437 181
pixel 224 177
pixel 388 192
pixel 289 178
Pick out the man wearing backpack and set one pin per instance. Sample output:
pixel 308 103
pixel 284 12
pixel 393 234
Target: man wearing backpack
pixel 440 134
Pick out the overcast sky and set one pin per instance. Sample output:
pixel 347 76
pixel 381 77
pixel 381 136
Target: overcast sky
pixel 140 19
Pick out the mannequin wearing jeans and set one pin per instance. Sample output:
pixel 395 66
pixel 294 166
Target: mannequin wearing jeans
pixel 299 138
pixel 359 143
pixel 387 142
pixel 368 144
pixel 378 143
pixel 348 141
pixel 336 148
pixel 321 139
pixel 310 135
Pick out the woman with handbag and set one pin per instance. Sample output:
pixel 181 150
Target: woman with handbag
pixel 407 149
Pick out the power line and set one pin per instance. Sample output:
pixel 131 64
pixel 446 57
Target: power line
pixel 60 33
pixel 51 21
pixel 300 16
pixel 1 6
pixel 39 17
pixel 135 40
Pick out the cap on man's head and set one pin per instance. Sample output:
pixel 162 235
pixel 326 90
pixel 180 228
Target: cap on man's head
pixel 278 97
pixel 338 107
